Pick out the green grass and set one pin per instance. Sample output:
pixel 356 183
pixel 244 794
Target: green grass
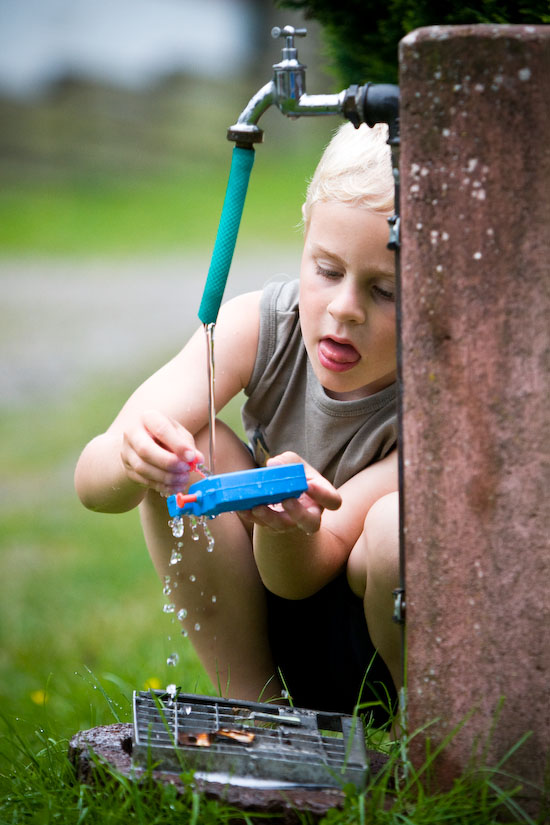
pixel 80 592
pixel 81 626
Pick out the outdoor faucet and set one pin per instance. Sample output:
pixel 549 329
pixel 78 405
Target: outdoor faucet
pixel 370 104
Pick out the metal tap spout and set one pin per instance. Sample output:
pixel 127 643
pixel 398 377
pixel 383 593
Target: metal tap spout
pixel 369 104
pixel 246 131
pixel 287 91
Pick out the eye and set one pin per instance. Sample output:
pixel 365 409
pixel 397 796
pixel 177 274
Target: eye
pixel 383 292
pixel 326 272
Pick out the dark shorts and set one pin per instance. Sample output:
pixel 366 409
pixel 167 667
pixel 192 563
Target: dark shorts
pixel 323 648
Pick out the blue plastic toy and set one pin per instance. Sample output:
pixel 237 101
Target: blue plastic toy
pixel 239 491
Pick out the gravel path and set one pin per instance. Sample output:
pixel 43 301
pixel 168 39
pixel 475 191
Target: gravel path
pixel 67 321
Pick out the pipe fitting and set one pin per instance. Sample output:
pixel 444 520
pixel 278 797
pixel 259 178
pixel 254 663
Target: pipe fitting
pixel 379 103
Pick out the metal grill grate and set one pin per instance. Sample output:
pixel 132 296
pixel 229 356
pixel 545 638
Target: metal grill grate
pixel 247 740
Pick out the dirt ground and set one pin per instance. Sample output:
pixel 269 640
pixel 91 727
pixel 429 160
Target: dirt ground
pixel 67 322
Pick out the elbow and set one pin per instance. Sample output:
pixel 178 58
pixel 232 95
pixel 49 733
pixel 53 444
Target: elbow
pixel 99 498
pixel 82 488
pixel 88 485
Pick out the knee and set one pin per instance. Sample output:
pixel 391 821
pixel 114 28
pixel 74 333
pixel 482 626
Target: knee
pixel 231 452
pixel 375 555
pixel 382 520
pixel 381 538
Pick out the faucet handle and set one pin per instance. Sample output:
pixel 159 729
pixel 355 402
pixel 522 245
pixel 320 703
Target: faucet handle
pixel 289 32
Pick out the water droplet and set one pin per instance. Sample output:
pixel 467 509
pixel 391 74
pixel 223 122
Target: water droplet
pixel 194 528
pixel 172 660
pixel 187 709
pixel 182 614
pixel 169 607
pixel 214 599
pixel 175 557
pixel 176 525
pixel 197 626
pixel 192 578
pixel 207 534
pixel 184 633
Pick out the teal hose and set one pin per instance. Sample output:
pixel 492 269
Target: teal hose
pixel 241 166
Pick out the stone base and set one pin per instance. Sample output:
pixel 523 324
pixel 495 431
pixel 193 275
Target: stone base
pixel 112 744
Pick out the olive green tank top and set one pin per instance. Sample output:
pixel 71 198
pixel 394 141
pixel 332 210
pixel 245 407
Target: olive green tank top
pixel 288 409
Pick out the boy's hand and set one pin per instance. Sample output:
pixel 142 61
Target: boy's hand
pixel 303 513
pixel 157 452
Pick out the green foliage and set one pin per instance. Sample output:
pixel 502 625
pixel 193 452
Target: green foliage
pixel 363 35
pixel 135 215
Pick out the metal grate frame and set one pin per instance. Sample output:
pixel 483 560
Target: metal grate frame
pixel 249 740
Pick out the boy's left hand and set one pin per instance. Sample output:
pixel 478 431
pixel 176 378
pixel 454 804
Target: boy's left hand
pixel 302 513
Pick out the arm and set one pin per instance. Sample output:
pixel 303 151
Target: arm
pixel 151 441
pixel 297 551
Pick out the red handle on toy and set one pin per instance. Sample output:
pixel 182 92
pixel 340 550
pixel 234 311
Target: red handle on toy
pixel 185 498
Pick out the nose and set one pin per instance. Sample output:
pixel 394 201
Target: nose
pixel 346 305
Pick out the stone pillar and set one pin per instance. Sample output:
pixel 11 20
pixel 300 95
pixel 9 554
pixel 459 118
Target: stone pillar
pixel 475 171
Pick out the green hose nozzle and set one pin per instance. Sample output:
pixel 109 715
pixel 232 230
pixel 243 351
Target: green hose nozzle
pixel 241 166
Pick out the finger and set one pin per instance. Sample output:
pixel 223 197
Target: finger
pixel 149 476
pixel 323 493
pixel 276 520
pixel 143 471
pixel 140 449
pixel 306 518
pixel 172 436
pixel 319 488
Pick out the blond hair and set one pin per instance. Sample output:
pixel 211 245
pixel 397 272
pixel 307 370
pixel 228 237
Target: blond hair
pixel 355 169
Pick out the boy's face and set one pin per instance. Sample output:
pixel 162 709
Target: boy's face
pixel 347 300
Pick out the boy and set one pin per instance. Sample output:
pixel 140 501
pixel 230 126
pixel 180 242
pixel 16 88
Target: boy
pixel 298 589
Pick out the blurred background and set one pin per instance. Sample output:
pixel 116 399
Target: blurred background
pixel 113 167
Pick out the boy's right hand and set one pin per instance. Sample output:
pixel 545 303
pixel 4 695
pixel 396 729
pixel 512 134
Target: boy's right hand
pixel 158 452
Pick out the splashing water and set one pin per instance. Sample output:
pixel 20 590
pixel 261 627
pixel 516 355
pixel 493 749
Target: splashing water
pixel 182 614
pixel 172 660
pixel 167 589
pixel 172 691
pixel 207 534
pixel 197 626
pixel 176 556
pixel 169 607
pixel 176 526
pixel 194 528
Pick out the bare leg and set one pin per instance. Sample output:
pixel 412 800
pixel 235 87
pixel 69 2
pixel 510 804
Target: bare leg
pixel 221 590
pixel 373 573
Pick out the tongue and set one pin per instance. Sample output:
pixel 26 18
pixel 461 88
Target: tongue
pixel 342 353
